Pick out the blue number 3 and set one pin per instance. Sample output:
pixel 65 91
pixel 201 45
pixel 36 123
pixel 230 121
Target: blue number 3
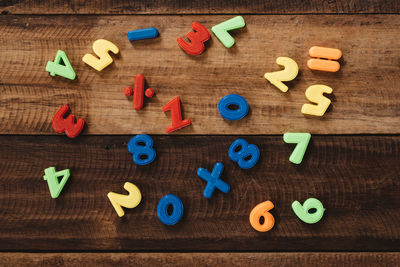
pixel 247 156
pixel 142 155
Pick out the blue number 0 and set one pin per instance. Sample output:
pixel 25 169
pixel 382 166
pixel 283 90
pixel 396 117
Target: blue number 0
pixel 247 156
pixel 233 100
pixel 177 209
pixel 142 155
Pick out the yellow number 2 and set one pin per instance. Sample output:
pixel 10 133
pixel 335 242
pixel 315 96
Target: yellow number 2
pixel 314 94
pixel 101 48
pixel 289 73
pixel 128 201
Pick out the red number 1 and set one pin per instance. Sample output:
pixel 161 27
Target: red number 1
pixel 176 115
pixel 197 39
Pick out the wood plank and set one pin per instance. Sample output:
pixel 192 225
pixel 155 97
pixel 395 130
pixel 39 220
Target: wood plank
pixel 355 177
pixel 197 7
pixel 366 97
pixel 200 259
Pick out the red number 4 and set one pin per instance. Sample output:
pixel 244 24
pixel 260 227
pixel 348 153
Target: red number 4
pixel 176 115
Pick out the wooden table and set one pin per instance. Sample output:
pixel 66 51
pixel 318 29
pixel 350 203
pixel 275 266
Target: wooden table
pixel 352 163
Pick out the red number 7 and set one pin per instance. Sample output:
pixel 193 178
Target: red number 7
pixel 197 39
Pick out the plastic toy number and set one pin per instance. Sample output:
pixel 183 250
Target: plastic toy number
pixel 261 210
pixel 56 68
pixel 68 125
pixel 247 156
pixel 289 73
pixel 225 107
pixel 176 115
pixel 128 201
pixel 221 30
pixel 101 48
pixel 177 209
pixel 302 211
pixel 197 39
pixel 302 140
pixel 314 94
pixel 142 154
pixel 51 176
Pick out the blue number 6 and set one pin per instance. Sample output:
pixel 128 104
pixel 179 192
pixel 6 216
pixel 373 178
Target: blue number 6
pixel 142 155
pixel 242 156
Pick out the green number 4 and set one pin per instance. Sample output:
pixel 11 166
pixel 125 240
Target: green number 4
pixel 51 176
pixel 56 68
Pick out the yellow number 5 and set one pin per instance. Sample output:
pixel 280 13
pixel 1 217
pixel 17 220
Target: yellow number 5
pixel 289 73
pixel 314 94
pixel 128 201
pixel 101 48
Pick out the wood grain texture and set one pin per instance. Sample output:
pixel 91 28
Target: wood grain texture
pixel 197 6
pixel 355 177
pixel 365 99
pixel 200 259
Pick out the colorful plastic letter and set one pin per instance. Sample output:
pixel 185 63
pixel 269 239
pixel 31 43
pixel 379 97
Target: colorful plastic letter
pixel 67 125
pixel 233 100
pixel 176 115
pixel 129 201
pixel 142 155
pixel 247 156
pixel 197 39
pixel 314 94
pixel 141 34
pixel 302 211
pixel 213 180
pixel 261 210
pixel 177 209
pixel 101 48
pixel 221 30
pixel 289 73
pixel 56 68
pixel 330 54
pixel 302 140
pixel 51 176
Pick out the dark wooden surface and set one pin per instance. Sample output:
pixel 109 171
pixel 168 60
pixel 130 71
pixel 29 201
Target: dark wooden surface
pixel 355 176
pixel 365 98
pixel 198 7
pixel 200 259
pixel 357 179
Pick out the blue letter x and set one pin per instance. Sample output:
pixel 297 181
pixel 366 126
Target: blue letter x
pixel 213 180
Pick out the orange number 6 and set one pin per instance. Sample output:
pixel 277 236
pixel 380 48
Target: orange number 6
pixel 261 210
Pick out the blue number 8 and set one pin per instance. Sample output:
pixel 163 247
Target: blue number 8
pixel 142 155
pixel 242 156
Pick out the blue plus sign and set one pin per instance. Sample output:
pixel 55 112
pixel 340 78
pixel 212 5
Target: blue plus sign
pixel 213 180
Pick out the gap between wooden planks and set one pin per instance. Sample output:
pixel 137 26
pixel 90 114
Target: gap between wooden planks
pixel 198 7
pixel 200 259
pixel 355 177
pixel 365 99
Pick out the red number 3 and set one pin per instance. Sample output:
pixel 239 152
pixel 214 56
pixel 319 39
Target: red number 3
pixel 68 125
pixel 197 39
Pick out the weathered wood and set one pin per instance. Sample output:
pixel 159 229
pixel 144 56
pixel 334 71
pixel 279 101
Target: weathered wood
pixel 365 99
pixel 355 177
pixel 200 259
pixel 197 7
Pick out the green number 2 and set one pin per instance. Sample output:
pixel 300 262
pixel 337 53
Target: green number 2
pixel 56 68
